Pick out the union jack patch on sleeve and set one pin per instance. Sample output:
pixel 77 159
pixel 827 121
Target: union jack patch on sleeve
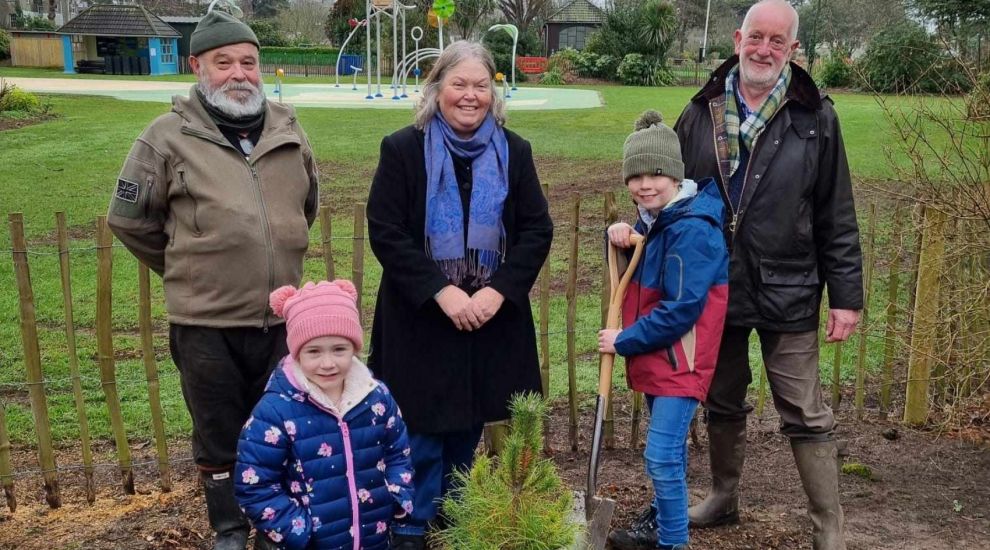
pixel 127 191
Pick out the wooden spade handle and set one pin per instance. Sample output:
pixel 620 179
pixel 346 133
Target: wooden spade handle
pixel 617 292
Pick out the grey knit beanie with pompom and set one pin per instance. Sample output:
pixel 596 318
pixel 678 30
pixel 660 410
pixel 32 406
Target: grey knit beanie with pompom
pixel 652 148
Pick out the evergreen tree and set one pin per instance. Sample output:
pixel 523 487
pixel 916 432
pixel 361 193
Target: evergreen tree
pixel 516 501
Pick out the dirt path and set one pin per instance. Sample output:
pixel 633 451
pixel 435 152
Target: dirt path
pixel 927 493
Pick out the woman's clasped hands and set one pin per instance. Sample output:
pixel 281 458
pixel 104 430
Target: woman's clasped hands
pixel 469 312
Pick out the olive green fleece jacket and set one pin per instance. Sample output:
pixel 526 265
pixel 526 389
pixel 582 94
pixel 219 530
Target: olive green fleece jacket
pixel 222 230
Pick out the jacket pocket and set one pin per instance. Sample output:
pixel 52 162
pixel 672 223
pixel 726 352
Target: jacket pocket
pixel 788 289
pixel 195 206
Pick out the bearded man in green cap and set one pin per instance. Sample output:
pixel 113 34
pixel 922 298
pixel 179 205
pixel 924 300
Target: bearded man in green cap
pixel 217 197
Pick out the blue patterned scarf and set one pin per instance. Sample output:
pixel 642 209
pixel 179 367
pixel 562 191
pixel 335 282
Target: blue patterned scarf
pixel 475 260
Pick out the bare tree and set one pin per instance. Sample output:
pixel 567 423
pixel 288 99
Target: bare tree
pixel 846 24
pixel 522 13
pixel 303 21
pixel 469 15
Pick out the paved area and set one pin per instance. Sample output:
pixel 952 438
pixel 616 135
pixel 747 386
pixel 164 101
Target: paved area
pixel 304 95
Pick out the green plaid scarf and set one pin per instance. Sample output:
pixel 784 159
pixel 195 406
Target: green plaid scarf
pixel 750 128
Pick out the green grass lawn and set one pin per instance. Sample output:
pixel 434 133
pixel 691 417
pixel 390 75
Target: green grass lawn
pixel 70 164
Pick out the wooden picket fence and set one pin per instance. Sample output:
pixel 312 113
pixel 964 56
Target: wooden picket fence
pixel 918 320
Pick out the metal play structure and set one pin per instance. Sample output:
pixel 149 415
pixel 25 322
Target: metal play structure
pixel 407 63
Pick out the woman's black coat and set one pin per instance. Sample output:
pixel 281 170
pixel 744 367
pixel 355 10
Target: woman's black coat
pixel 443 379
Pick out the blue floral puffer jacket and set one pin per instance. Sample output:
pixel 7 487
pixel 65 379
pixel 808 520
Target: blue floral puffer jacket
pixel 310 476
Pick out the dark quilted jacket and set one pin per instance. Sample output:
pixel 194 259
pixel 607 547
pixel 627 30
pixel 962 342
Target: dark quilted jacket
pixel 310 479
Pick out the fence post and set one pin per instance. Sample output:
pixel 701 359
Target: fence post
pixel 864 324
pixel 70 337
pixel 893 287
pixel 761 397
pixel 6 475
pixel 32 361
pixel 104 345
pixel 611 215
pixel 326 230
pixel 151 373
pixel 357 265
pixel 919 216
pixel 837 376
pixel 924 319
pixel 545 331
pixel 571 320
pixel 637 413
pixel 495 434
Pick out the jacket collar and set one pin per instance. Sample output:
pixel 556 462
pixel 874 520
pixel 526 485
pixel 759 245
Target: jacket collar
pixel 358 384
pixel 278 118
pixel 705 203
pixel 802 88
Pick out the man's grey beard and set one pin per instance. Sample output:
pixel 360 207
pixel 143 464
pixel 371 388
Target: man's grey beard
pixel 217 97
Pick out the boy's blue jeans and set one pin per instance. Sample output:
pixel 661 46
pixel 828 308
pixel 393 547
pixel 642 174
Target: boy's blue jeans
pixel 666 464
pixel 435 457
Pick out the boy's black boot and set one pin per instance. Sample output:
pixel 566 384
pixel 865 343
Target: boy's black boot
pixel 642 533
pixel 408 542
pixel 225 514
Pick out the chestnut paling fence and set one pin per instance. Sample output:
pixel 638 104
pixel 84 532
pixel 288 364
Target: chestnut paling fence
pixel 926 342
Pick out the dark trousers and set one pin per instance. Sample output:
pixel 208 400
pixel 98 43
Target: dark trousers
pixel 435 457
pixel 791 360
pixel 223 372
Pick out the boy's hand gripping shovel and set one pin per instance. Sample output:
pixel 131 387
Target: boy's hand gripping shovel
pixel 599 510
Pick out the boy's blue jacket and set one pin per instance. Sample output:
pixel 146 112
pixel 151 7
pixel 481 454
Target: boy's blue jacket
pixel 308 478
pixel 674 309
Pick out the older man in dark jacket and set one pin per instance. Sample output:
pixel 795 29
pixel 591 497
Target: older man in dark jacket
pixel 761 127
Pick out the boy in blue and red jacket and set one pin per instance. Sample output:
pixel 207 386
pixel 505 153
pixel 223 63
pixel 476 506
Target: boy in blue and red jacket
pixel 673 313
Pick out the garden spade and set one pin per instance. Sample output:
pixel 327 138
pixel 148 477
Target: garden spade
pixel 599 510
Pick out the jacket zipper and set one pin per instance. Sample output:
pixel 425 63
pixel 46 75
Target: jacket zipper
pixel 147 197
pixel 267 231
pixel 266 226
pixel 737 215
pixel 352 485
pixel 345 433
pixel 671 355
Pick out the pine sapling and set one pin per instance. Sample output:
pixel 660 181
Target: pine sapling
pixel 514 502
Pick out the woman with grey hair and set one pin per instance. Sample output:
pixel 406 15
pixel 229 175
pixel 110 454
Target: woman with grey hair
pixel 459 223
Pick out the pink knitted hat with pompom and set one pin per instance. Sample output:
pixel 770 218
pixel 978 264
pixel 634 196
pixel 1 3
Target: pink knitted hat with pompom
pixel 318 309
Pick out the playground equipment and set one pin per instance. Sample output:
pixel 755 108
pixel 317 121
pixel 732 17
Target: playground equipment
pixel 355 71
pixel 406 63
pixel 514 33
pixel 279 74
pixel 355 27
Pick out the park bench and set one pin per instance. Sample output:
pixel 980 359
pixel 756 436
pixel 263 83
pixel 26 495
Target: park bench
pixel 89 66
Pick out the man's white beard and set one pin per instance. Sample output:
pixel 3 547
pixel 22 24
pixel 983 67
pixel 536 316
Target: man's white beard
pixel 253 105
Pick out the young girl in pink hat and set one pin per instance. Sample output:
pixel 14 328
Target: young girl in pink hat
pixel 323 462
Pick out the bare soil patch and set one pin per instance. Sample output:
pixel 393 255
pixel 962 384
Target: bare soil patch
pixel 15 123
pixel 929 492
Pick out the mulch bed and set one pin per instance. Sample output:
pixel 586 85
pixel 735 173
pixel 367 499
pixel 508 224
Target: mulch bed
pixel 929 490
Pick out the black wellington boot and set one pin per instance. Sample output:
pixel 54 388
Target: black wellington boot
pixel 225 514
